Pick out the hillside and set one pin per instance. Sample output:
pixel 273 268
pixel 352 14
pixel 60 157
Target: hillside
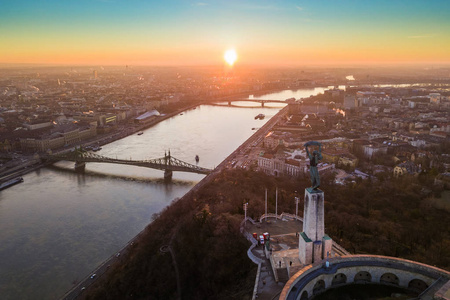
pixel 391 218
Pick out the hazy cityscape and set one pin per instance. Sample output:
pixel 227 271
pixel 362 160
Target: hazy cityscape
pixel 184 173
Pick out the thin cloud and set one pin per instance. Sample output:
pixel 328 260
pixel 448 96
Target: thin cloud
pixel 299 8
pixel 425 36
pixel 259 7
pixel 200 4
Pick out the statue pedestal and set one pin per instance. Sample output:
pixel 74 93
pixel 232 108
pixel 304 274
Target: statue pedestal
pixel 313 243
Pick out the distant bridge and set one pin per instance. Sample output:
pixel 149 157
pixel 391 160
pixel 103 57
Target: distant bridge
pixel 167 163
pixel 262 101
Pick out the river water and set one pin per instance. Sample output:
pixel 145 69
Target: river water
pixel 57 226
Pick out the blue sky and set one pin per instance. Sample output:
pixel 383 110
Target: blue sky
pixel 192 32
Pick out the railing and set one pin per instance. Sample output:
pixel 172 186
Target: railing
pixel 340 249
pixel 254 259
pixel 250 254
pixel 292 216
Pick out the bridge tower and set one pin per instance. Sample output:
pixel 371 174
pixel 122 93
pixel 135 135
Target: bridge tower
pixel 168 170
pixel 80 166
pixel 314 245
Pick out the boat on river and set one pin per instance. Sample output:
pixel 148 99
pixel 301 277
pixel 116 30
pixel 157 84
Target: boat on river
pixel 141 133
pixel 260 116
pixel 10 183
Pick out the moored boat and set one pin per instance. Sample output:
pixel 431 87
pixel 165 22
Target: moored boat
pixel 10 182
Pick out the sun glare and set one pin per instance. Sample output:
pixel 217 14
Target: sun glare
pixel 230 56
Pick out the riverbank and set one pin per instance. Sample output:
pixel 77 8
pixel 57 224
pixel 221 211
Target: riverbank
pixel 31 164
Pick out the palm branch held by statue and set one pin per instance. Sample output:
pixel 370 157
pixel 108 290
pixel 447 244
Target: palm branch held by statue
pixel 313 162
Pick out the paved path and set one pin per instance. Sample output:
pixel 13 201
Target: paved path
pixel 267 287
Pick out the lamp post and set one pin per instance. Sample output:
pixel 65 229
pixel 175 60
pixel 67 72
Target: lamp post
pixel 266 203
pixel 276 203
pixel 245 212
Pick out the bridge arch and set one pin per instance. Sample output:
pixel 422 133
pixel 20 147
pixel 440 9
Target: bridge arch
pixel 389 278
pixel 304 296
pixel 319 287
pixel 339 279
pixel 417 285
pixel 362 276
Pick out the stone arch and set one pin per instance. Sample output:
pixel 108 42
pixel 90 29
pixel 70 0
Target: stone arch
pixel 362 276
pixel 319 287
pixel 339 279
pixel 275 173
pixel 417 285
pixel 304 296
pixel 389 278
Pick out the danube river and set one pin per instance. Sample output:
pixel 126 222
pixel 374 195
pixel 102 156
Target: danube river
pixel 57 226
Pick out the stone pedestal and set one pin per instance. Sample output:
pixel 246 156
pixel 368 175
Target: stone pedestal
pixel 168 174
pixel 80 166
pixel 305 249
pixel 313 243
pixel 327 243
pixel 313 214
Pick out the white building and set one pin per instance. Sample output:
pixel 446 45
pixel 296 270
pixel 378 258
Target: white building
pixel 274 166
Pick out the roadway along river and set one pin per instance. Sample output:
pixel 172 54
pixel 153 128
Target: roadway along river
pixel 57 226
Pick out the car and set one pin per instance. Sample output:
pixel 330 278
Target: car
pixel 118 254
pixel 93 276
pixel 83 288
pixel 261 239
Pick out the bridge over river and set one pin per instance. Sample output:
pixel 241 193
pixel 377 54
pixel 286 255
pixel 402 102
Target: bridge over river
pixel 167 163
pixel 261 101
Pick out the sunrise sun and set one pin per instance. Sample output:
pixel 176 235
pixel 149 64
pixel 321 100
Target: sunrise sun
pixel 230 56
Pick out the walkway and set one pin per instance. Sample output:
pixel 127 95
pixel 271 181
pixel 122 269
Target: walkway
pixel 268 289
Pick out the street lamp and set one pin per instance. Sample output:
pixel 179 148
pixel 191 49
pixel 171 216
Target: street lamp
pixel 266 203
pixel 245 212
pixel 276 204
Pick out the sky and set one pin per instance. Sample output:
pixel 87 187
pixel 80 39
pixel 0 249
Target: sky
pixel 285 33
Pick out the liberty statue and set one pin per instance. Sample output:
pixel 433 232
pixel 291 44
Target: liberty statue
pixel 313 162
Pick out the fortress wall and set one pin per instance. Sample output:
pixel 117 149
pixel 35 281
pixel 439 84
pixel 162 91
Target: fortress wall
pixel 382 270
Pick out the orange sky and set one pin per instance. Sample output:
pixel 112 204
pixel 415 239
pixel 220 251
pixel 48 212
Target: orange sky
pixel 262 32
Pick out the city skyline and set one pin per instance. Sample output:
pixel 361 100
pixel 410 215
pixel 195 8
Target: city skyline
pixel 276 33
